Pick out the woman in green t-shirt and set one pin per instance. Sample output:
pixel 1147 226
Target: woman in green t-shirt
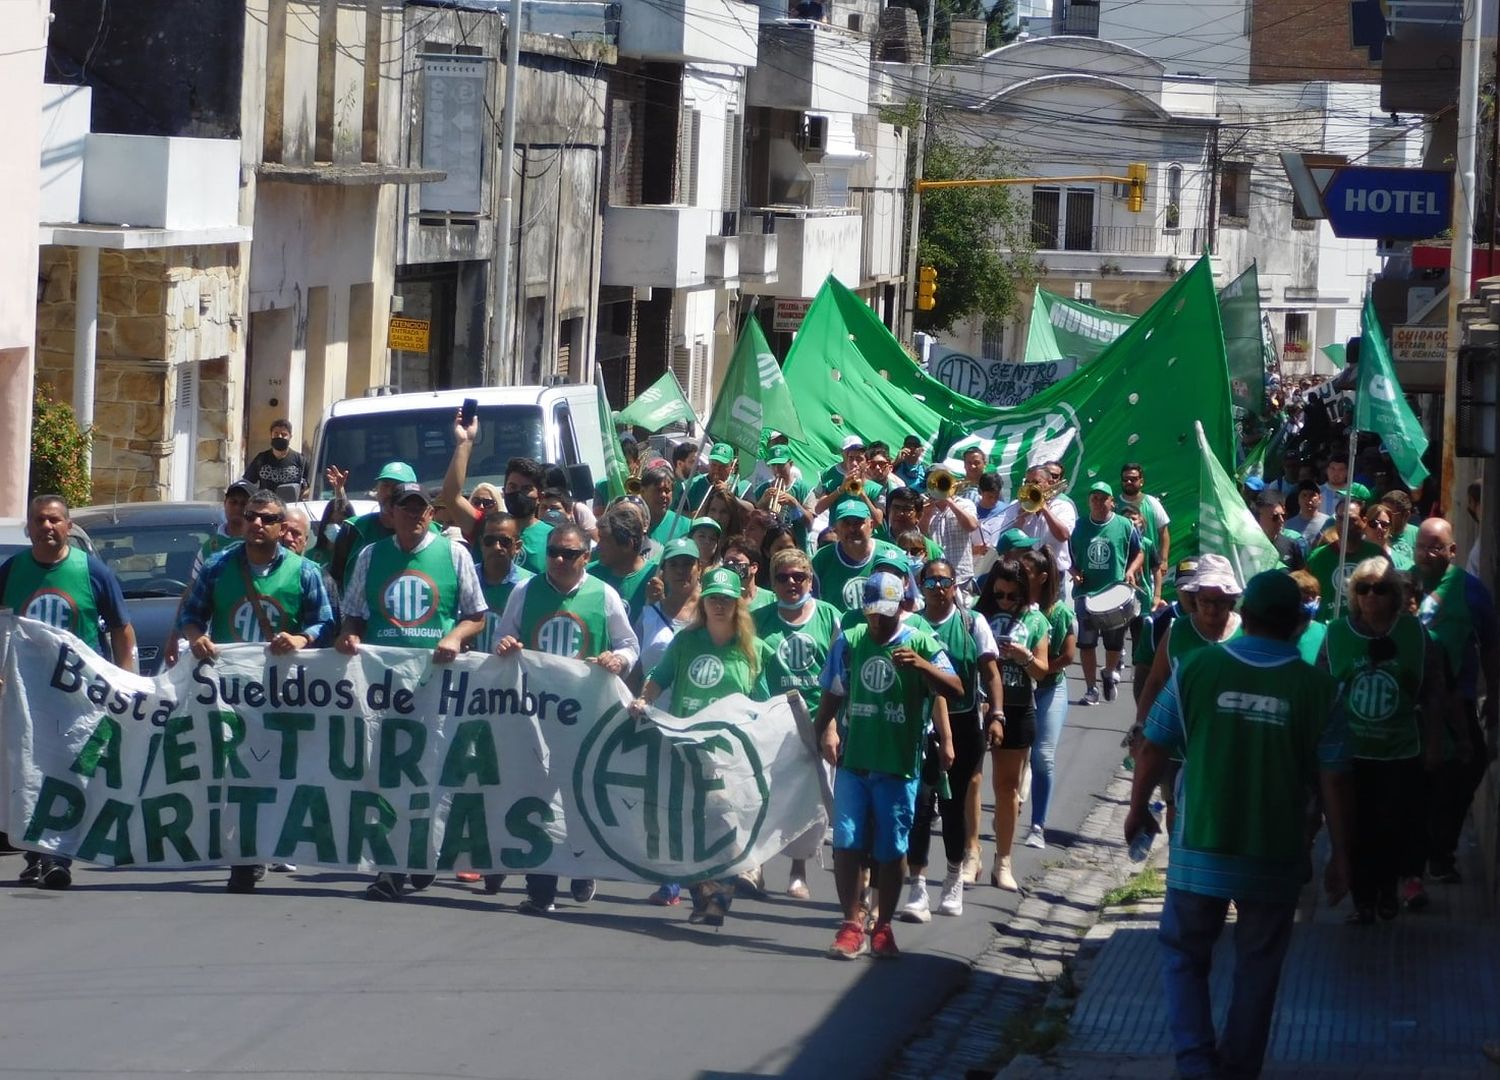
pixel 717 655
pixel 1051 689
pixel 1021 633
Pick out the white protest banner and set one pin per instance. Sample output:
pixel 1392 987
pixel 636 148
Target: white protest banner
pixel 995 382
pixel 386 761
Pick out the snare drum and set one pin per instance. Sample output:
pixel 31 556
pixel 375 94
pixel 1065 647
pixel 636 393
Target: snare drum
pixel 1113 607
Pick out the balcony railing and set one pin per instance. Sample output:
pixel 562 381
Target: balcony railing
pixel 1081 18
pixel 1120 239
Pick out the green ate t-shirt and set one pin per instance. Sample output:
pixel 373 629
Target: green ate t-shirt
pixel 698 672
pixel 1101 551
pixel 798 653
pixel 1324 565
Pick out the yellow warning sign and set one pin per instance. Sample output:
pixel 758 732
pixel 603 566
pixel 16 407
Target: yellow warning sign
pixel 409 335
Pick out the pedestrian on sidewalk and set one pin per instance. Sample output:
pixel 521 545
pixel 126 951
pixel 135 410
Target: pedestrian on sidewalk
pixel 1255 725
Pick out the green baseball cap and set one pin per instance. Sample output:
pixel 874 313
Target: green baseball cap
pixel 704 523
pixel 722 453
pixel 399 471
pixel 851 508
pixel 1355 491
pixel 1014 540
pixel 721 581
pixel 680 547
pixel 891 556
pixel 779 454
pixel 1099 487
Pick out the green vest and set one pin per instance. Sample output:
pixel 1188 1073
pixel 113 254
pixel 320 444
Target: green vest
pixel 671 526
pixel 1252 734
pixel 798 653
pixel 1333 575
pixel 279 594
pixel 631 587
pixel 1380 699
pixel 495 597
pixel 366 531
pixel 840 584
pixel 886 705
pixel 534 546
pixel 957 636
pixel 1101 551
pixel 59 595
pixel 412 596
pixel 1310 644
pixel 572 625
pixel 1183 638
pixel 700 672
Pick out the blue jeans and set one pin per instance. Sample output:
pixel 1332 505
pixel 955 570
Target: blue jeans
pixel 1190 924
pixel 1051 711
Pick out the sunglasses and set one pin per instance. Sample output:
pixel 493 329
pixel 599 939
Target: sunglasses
pixel 740 568
pixel 1382 525
pixel 482 503
pixel 566 554
pixel 499 541
pixel 1009 594
pixel 942 583
pixel 792 578
pixel 1379 588
pixel 253 516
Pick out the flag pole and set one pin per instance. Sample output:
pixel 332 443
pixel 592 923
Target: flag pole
pixel 1338 570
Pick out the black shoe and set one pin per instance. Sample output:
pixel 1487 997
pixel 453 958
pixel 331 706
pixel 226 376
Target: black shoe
pixel 30 872
pixel 258 872
pixel 421 881
pixel 492 883
pixel 531 906
pixel 241 879
pixel 582 889
pixel 53 875
pixel 383 888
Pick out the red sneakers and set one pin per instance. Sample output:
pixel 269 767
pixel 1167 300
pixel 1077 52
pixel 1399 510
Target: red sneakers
pixel 883 942
pixel 849 943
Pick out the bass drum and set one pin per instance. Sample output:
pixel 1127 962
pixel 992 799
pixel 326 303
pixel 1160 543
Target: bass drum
pixel 1112 607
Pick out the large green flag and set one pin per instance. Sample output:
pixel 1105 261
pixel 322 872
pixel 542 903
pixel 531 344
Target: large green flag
pixel 1239 309
pixel 1225 525
pixel 615 469
pixel 754 396
pixel 660 404
pixel 1137 401
pixel 1061 328
pixel 1380 406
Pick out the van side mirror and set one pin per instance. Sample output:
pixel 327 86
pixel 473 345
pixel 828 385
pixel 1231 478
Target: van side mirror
pixel 581 483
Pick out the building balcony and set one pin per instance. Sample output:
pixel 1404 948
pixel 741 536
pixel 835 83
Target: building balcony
pixel 1106 250
pixel 690 31
pixel 1077 17
pixel 811 67
pixel 723 260
pixel 659 246
pixel 160 182
pixel 810 244
pixel 759 256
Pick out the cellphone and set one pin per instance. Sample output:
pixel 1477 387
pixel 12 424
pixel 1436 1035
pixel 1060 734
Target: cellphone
pixel 470 410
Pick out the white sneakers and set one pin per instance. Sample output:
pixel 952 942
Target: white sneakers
pixel 916 909
pixel 952 901
pixel 1001 876
pixel 1036 838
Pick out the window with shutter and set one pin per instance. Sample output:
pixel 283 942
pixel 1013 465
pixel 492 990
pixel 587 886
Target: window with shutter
pixel 690 122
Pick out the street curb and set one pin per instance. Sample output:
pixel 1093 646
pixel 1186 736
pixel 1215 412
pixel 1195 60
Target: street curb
pixel 1025 957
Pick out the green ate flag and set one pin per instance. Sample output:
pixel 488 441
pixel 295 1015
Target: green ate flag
pixel 1225 525
pixel 615 469
pixel 1380 406
pixel 1137 401
pixel 1239 310
pixel 660 404
pixel 1061 328
pixel 754 396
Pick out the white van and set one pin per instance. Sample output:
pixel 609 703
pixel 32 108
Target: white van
pixel 553 424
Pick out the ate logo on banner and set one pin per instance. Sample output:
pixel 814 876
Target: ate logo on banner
pixel 53 608
pixel 1374 695
pixel 747 410
pixel 657 801
pixel 247 626
pixel 410 599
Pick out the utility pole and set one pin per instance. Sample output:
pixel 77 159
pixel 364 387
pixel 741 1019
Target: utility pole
pixel 500 333
pixel 1461 254
pixel 914 215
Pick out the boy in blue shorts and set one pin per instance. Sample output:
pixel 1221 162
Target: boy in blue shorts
pixel 882 676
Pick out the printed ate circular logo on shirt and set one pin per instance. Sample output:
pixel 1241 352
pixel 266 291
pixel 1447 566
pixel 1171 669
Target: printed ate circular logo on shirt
pixel 1341 575
pixel 705 672
pixel 877 674
pixel 410 598
pixel 562 634
pixel 53 608
pixel 1374 695
pixel 247 627
pixel 797 653
pixel 1098 554
pixel 854 593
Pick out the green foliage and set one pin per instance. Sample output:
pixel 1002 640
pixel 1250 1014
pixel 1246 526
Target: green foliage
pixel 1146 885
pixel 59 451
pixel 978 238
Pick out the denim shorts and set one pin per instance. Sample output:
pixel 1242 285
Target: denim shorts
pixel 862 800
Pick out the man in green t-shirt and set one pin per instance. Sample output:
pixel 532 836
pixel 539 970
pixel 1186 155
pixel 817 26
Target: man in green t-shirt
pixel 1258 727
pixel 841 568
pixel 884 677
pixel 720 474
pixel 782 496
pixel 666 523
pixel 619 560
pixel 849 480
pixel 1106 551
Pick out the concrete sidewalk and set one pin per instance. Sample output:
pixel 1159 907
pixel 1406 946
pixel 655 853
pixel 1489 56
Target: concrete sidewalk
pixel 1413 998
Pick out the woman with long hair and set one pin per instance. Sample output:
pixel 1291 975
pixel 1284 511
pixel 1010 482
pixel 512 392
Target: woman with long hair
pixel 1051 689
pixel 662 619
pixel 715 656
pixel 1021 633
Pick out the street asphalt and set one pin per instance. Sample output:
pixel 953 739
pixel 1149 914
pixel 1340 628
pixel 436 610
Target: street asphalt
pixel 132 974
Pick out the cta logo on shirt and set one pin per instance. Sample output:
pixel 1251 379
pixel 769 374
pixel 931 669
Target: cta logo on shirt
pixel 705 672
pixel 53 608
pixel 1257 708
pixel 410 599
pixel 562 634
pixel 1374 695
pixel 877 674
pixel 247 627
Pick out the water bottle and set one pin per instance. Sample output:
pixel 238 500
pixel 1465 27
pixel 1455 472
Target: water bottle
pixel 1140 847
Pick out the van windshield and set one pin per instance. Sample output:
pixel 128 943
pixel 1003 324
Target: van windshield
pixel 423 438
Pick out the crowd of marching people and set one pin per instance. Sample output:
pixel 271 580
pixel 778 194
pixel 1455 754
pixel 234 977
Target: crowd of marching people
pixel 928 615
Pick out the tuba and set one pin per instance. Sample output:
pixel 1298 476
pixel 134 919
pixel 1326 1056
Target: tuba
pixel 941 482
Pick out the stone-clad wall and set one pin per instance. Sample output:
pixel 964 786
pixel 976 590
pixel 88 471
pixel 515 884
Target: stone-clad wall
pixel 158 309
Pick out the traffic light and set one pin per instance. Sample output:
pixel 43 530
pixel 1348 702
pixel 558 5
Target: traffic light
pixel 926 288
pixel 1136 200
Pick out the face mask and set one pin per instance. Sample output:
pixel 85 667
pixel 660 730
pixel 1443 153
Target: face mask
pixel 795 605
pixel 554 516
pixel 520 504
pixel 280 442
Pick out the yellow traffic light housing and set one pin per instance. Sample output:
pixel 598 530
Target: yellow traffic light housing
pixel 1137 173
pixel 926 288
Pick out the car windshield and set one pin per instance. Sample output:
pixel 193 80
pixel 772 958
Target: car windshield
pixel 149 560
pixel 423 438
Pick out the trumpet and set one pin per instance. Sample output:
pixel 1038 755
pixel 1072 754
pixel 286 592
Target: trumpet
pixel 632 485
pixel 777 508
pixel 941 482
pixel 854 486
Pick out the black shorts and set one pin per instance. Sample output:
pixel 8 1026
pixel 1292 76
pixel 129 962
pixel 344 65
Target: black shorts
pixel 1020 728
